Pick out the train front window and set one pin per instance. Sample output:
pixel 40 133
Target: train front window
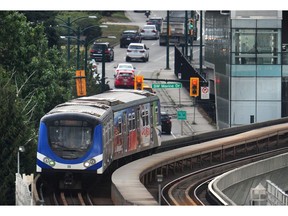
pixel 70 139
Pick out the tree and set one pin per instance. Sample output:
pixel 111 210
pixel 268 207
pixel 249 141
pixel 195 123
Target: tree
pixel 15 132
pixel 33 79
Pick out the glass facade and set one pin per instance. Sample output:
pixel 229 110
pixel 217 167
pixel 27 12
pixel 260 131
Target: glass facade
pixel 248 77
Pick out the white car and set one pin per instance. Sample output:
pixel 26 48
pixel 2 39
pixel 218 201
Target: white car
pixel 137 51
pixel 149 32
pixel 124 67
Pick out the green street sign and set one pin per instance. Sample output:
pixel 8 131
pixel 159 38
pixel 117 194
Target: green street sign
pixel 167 85
pixel 181 115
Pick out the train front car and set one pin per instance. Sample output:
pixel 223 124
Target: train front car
pixel 80 139
pixel 70 144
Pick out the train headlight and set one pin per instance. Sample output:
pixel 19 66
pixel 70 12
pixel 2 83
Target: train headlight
pixel 90 162
pixel 49 161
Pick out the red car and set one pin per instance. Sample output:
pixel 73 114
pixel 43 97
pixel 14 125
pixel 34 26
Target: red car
pixel 124 79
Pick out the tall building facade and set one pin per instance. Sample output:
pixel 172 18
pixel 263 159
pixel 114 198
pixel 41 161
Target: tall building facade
pixel 244 48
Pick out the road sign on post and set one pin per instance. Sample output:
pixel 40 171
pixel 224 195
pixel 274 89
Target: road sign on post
pixel 205 92
pixel 167 85
pixel 181 115
pixel 80 83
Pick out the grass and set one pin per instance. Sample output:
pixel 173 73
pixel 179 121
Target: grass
pixel 117 29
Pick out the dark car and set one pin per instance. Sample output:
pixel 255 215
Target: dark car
pixel 157 21
pixel 166 123
pixel 129 36
pixel 97 49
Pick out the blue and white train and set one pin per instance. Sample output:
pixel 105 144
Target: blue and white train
pixel 85 135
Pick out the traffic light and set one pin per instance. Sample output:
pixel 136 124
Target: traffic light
pixel 191 26
pixel 138 82
pixel 194 86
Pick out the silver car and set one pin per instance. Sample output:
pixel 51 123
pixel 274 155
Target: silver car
pixel 137 51
pixel 149 32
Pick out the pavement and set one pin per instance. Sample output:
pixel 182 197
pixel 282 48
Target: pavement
pixel 173 100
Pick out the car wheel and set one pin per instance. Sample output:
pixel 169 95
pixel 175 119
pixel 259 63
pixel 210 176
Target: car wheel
pixel 127 59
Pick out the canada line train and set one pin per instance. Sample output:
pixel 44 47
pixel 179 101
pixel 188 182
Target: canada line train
pixel 85 135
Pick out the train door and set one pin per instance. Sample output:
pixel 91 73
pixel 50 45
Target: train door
pixel 125 131
pixel 108 142
pixel 132 137
pixel 145 132
pixel 138 125
pixel 152 120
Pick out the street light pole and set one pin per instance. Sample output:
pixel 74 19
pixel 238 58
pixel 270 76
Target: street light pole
pixel 159 180
pixel 20 149
pixel 69 24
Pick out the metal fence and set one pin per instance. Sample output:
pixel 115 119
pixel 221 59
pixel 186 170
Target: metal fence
pixel 269 195
pixel 185 68
pixel 275 195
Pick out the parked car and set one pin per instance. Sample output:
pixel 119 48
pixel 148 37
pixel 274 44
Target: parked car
pixel 96 51
pixel 149 32
pixel 137 51
pixel 124 79
pixel 129 36
pixel 157 21
pixel 124 67
pixel 166 123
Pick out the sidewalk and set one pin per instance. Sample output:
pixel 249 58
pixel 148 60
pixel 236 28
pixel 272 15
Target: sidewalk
pixel 197 120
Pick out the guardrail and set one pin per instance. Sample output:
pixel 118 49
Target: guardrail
pixel 128 181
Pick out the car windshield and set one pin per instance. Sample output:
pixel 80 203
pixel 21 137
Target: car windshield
pixel 164 117
pixel 128 33
pixel 149 27
pixel 125 74
pixel 125 66
pixel 99 46
pixel 135 47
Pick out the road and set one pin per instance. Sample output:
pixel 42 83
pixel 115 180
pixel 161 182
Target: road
pixel 154 68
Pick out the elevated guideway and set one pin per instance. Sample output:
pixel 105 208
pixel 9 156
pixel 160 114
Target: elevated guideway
pixel 267 179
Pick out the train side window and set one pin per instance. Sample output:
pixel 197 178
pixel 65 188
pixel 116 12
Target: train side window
pixel 156 115
pixel 147 117
pixel 133 121
pixel 130 122
pixel 120 125
pixel 143 118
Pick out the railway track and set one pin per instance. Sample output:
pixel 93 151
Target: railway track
pixel 47 194
pixel 191 188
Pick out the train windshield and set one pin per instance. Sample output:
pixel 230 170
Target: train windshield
pixel 70 139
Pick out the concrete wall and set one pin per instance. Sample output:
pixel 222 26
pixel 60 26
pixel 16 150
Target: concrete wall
pixel 234 186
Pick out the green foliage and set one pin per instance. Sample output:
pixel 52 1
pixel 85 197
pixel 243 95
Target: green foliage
pixel 33 79
pixel 15 132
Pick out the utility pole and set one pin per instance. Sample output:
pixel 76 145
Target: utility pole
pixel 201 43
pixel 167 43
pixel 186 34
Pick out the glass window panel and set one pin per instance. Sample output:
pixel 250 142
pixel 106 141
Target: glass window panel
pixel 243 88
pixel 269 88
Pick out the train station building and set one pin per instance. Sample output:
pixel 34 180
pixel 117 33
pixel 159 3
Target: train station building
pixel 247 52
